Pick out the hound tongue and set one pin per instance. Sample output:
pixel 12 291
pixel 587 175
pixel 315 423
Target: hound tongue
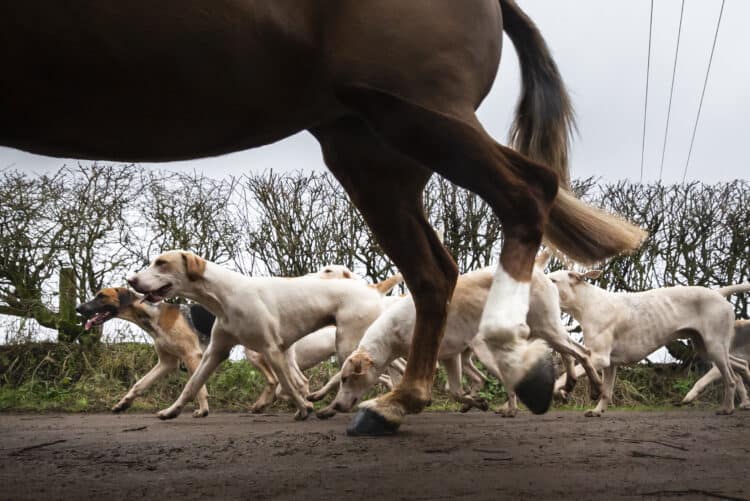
pixel 95 320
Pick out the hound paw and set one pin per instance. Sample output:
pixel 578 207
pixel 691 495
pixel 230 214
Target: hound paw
pixel 326 413
pixel 170 413
pixel 744 407
pixel 315 396
pixel 121 406
pixel 301 415
pixel 724 412
pixel 593 413
pixel 199 413
pixel 505 412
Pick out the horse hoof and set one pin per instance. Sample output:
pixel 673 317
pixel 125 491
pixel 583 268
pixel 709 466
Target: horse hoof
pixel 367 422
pixel 536 388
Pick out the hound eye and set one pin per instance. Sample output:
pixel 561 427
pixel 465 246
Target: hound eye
pixel 159 262
pixel 344 379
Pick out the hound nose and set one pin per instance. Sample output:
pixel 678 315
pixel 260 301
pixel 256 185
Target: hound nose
pixel 132 281
pixel 79 308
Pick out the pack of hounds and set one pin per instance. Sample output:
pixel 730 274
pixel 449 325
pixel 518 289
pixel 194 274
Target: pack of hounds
pixel 288 325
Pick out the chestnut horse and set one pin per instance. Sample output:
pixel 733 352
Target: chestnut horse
pixel 388 87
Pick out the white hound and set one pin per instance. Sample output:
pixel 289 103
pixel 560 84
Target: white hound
pixel 740 349
pixel 390 337
pixel 264 314
pixel 622 328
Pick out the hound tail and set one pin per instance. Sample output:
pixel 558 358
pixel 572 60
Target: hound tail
pixel 541 130
pixel 733 289
pixel 389 283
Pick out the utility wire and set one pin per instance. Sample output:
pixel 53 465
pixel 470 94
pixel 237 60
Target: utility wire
pixel 703 92
pixel 671 91
pixel 648 72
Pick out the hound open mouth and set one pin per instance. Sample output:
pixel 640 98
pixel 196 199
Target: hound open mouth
pixel 158 294
pixel 97 319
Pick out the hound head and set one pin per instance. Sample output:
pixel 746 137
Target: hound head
pixel 358 374
pixel 335 271
pixel 107 304
pixel 568 285
pixel 168 275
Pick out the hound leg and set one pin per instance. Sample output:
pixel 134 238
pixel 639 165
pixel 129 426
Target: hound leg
pixel 268 395
pixel 216 352
pixel 578 372
pixel 192 362
pixel 610 374
pixel 721 360
pixel 165 365
pixel 709 377
pixel 488 359
pixel 562 343
pixel 510 408
pixel 741 372
pixel 455 388
pixel 476 378
pixel 383 183
pixel 279 363
pixel 331 385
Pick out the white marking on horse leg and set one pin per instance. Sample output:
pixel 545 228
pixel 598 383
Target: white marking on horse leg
pixel 503 326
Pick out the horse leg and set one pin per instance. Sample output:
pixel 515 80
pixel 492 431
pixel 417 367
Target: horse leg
pixel 521 193
pixel 387 189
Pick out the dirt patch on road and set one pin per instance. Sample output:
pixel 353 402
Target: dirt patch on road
pixel 687 454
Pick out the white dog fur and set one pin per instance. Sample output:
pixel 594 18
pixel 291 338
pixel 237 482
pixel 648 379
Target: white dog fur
pixel 622 328
pixel 264 314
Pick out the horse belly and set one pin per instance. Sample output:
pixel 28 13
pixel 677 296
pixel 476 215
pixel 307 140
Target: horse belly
pixel 152 81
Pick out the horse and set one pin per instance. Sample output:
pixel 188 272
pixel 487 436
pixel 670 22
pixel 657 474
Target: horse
pixel 388 88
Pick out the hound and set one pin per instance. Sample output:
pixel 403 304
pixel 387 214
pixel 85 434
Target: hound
pixel 390 336
pixel 315 347
pixel 264 314
pixel 623 328
pixel 180 333
pixel 740 350
pixel 388 88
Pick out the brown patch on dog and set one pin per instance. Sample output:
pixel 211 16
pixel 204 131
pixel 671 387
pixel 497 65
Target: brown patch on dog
pixel 168 315
pixel 194 266
pixel 358 364
pixel 389 283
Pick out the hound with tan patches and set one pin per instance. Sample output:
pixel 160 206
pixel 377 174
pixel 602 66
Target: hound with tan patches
pixel 264 314
pixel 180 333
pixel 623 328
pixel 390 336
pixel 740 350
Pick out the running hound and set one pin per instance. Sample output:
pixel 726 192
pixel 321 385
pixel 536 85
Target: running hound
pixel 622 328
pixel 390 336
pixel 180 333
pixel 740 349
pixel 264 314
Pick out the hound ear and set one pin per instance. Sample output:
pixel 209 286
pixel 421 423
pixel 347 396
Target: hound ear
pixel 125 297
pixel 348 274
pixel 358 364
pixel 593 274
pixel 194 266
pixel 575 276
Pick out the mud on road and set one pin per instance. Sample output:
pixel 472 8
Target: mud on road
pixel 685 454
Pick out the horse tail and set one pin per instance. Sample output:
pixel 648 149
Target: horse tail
pixel 544 116
pixel 541 130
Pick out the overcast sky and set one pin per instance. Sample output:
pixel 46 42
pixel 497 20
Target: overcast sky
pixel 601 48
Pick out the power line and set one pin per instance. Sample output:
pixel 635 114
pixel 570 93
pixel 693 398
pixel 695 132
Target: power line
pixel 648 72
pixel 703 92
pixel 671 90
